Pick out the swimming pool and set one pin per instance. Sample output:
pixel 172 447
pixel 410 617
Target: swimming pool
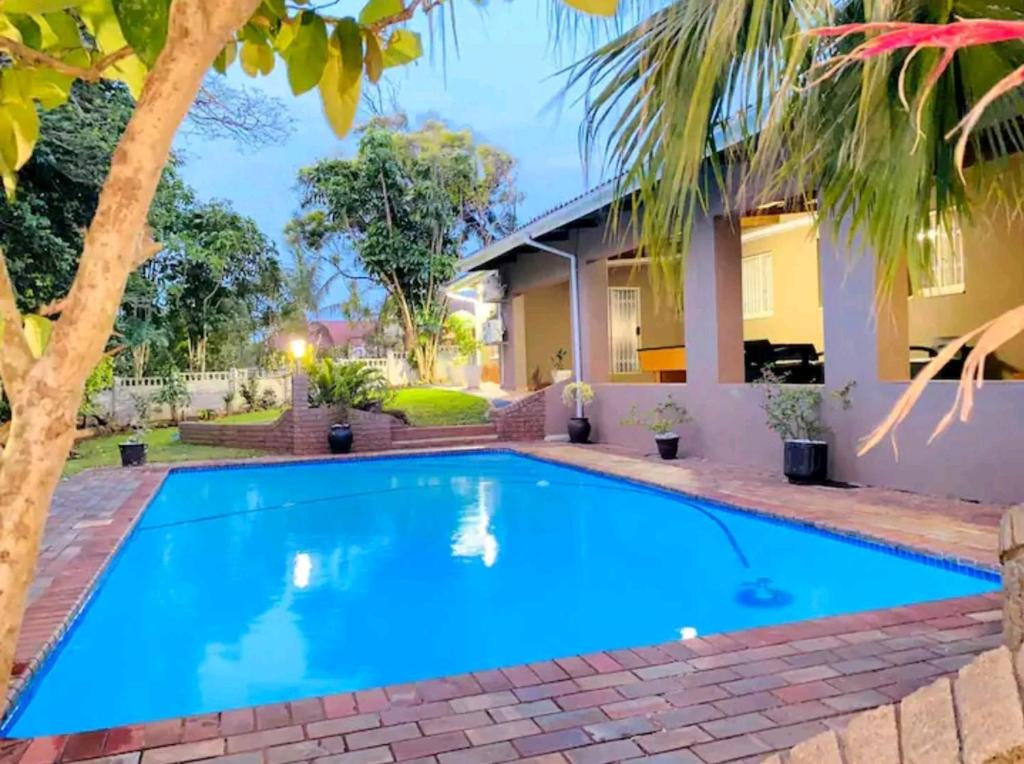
pixel 252 585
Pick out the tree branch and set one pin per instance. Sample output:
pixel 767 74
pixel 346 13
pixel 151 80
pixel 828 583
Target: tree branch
pixel 15 356
pixel 35 57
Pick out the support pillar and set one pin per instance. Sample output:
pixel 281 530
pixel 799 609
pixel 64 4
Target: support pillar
pixel 713 304
pixel 866 329
pixel 593 277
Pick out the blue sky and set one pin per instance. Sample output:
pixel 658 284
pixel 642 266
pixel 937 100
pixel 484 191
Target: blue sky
pixel 501 85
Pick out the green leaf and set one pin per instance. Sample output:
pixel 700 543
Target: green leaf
pixel 257 58
pixel 37 333
pixel 31 35
pixel 349 40
pixel 338 91
pixel 374 57
pixel 39 6
pixel 307 55
pixel 403 47
pixel 286 35
pixel 60 30
pixel 102 23
pixel 226 57
pixel 274 8
pixel 375 10
pixel 50 88
pixel 144 25
pixel 595 7
pixel 8 29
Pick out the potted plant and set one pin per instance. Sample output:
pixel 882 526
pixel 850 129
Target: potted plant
pixel 133 450
pixel 794 413
pixel 660 420
pixel 345 386
pixel 558 372
pixel 579 426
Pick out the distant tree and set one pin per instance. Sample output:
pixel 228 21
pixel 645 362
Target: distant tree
pixel 402 210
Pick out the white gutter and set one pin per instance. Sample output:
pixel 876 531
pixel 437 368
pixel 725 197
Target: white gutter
pixel 574 308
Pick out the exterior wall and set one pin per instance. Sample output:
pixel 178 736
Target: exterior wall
pixel 994 279
pixel 547 328
pixel 797 312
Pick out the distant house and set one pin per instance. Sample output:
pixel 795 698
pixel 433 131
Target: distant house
pixel 349 338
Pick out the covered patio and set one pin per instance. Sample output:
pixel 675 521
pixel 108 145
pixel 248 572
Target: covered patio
pixel 765 289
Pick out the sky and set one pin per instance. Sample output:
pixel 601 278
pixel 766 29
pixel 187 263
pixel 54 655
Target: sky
pixel 503 83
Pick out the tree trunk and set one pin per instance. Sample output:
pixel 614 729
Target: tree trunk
pixel 42 433
pixel 46 392
pixel 1011 556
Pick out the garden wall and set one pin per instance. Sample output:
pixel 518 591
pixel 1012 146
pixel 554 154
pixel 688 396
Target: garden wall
pixel 301 430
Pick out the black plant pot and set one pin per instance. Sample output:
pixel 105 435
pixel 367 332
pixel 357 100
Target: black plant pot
pixel 668 446
pixel 806 461
pixel 340 438
pixel 132 454
pixel 579 429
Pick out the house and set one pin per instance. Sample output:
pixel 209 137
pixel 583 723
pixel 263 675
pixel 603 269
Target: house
pixel 763 288
pixel 349 338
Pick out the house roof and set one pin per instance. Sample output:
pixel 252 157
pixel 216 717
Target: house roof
pixel 342 333
pixel 561 216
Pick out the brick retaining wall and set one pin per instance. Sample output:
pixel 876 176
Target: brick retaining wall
pixel 522 420
pixel 301 430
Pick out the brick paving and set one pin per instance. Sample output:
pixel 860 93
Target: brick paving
pixel 720 698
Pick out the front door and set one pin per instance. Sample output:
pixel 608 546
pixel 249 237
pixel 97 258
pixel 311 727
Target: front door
pixel 624 329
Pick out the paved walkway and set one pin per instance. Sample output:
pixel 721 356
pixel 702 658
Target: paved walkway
pixel 729 697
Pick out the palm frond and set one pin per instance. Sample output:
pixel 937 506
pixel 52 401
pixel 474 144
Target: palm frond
pixel 714 99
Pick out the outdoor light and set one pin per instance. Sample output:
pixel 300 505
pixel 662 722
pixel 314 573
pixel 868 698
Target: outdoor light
pixel 298 348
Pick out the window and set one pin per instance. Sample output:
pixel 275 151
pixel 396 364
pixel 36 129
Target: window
pixel 758 287
pixel 947 272
pixel 624 329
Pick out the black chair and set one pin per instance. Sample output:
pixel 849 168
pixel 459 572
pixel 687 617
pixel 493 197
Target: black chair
pixel 757 355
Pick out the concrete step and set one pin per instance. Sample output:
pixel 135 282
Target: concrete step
pixel 471 440
pixel 402 434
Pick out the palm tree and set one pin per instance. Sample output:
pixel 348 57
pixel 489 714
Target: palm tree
pixel 743 100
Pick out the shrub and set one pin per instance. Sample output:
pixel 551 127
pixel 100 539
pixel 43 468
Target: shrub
pixel 100 378
pixel 462 336
pixel 347 385
pixel 794 411
pixel 268 399
pixel 250 391
pixel 661 419
pixel 140 422
pixel 174 394
pixel 207 415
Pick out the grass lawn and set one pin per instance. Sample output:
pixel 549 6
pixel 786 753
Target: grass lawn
pixel 427 406
pixel 164 446
pixel 252 417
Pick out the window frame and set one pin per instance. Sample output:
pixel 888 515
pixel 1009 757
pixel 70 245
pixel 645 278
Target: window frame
pixel 764 256
pixel 956 249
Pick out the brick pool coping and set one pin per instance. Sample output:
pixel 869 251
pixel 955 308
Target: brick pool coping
pixel 753 690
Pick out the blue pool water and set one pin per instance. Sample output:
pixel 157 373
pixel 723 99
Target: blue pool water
pixel 257 585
